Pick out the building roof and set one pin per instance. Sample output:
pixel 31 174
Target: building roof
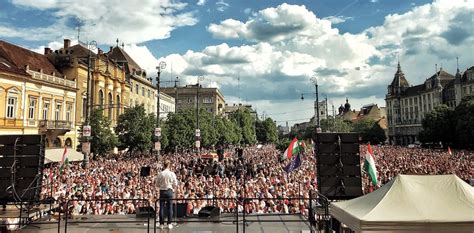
pixel 399 78
pixel 120 56
pixel 15 59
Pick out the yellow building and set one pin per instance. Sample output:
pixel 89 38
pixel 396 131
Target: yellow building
pixel 35 97
pixel 108 86
pixel 142 90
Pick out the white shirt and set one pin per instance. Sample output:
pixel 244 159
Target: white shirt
pixel 166 180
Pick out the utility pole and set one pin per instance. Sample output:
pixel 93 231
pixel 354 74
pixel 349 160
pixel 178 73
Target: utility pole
pixel 176 94
pixel 198 131
pixel 318 123
pixel 161 66
pixel 86 129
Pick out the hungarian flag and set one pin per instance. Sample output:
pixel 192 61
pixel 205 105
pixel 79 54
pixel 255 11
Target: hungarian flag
pixel 369 165
pixel 294 148
pixel 449 151
pixel 64 160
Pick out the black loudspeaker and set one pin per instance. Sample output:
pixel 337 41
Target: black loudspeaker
pixel 144 171
pixel 209 212
pixel 338 165
pixel 21 164
pixel 145 212
pixel 179 210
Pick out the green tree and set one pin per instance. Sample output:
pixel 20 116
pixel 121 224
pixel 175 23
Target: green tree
pixel 439 126
pixel 227 131
pixel 246 122
pixel 266 131
pixel 464 113
pixel 336 125
pixel 180 128
pixel 102 138
pixel 370 131
pixel 135 129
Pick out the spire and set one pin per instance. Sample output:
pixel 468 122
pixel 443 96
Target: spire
pixel 123 45
pixel 457 65
pixel 117 42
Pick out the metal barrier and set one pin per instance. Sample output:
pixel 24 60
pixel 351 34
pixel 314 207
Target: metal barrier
pixel 26 216
pixel 66 221
pixel 313 203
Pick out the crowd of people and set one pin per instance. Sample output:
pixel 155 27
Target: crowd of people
pixel 258 174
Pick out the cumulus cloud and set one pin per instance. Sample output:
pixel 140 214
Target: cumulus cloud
pixel 104 21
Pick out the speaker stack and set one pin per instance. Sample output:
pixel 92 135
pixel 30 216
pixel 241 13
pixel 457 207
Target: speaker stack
pixel 21 167
pixel 338 165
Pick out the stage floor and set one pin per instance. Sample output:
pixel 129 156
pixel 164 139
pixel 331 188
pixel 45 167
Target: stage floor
pixel 272 224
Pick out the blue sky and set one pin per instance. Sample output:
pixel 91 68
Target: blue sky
pixel 274 46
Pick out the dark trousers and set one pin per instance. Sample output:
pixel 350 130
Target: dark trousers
pixel 166 204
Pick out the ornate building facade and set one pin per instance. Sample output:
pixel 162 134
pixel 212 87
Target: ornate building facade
pixel 407 105
pixel 36 98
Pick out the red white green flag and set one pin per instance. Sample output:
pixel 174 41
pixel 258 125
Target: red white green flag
pixel 64 160
pixel 293 149
pixel 369 165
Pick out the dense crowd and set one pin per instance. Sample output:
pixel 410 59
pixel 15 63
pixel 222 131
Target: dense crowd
pixel 258 174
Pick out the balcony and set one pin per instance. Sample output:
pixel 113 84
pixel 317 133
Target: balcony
pixel 51 79
pixel 53 125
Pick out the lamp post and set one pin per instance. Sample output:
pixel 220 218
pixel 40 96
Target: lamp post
pixel 86 129
pixel 161 66
pixel 314 80
pixel 176 94
pixel 198 131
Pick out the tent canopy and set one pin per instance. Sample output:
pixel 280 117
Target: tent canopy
pixel 422 203
pixel 56 155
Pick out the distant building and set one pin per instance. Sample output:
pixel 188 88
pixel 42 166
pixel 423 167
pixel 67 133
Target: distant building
pixel 210 99
pixel 323 111
pixel 407 105
pixel 283 129
pixel 142 90
pixel 229 109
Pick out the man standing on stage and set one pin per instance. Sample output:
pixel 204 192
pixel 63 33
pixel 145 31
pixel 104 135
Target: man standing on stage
pixel 166 182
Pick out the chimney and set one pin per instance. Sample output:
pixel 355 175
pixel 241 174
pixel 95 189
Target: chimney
pixel 67 43
pixel 100 52
pixel 47 51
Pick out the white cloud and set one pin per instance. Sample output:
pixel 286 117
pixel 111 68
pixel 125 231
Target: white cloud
pixel 247 11
pixel 221 5
pixel 201 2
pixel 374 1
pixel 104 21
pixel 338 19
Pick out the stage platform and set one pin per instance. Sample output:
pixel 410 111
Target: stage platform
pixel 267 223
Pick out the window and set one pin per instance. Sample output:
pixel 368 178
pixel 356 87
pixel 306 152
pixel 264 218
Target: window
pixel 31 109
pixel 143 91
pixel 101 99
pixel 68 112
pixel 45 110
pixel 11 107
pixel 149 93
pixel 57 112
pixel 207 100
pixel 136 88
pixel 111 105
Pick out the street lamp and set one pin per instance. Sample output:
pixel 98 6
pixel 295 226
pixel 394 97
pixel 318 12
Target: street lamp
pixel 314 80
pixel 161 66
pixel 86 129
pixel 198 131
pixel 176 94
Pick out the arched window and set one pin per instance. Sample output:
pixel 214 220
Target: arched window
pixel 117 102
pixel 111 105
pixel 101 99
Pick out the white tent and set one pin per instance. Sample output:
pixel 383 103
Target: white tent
pixel 411 203
pixel 56 155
